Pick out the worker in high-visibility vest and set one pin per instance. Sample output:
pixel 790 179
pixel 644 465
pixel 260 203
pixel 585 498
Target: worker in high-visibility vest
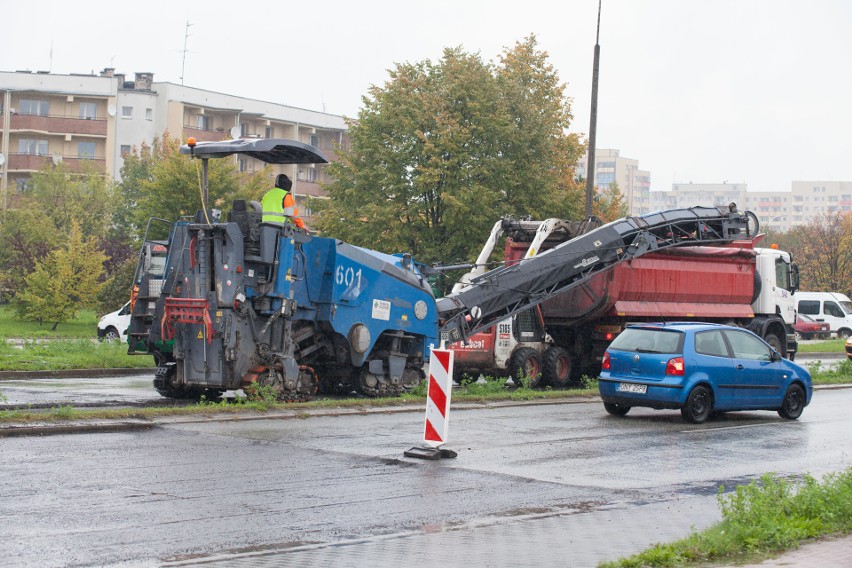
pixel 278 203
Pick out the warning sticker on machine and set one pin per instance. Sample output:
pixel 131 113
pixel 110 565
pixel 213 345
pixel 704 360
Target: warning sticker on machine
pixel 381 310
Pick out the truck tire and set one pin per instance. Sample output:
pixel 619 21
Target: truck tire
pixel 556 367
pixel 525 362
pixel 775 342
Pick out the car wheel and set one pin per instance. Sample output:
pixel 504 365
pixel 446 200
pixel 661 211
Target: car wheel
pixel 843 333
pixel 699 405
pixel 793 403
pixel 111 334
pixel 556 366
pixel 616 409
pixel 525 362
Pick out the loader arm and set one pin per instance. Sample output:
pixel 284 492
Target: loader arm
pixel 505 291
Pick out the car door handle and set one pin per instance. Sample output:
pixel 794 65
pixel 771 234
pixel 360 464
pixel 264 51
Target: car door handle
pixel 740 367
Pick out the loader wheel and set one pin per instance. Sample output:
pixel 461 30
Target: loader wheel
pixel 556 367
pixel 525 365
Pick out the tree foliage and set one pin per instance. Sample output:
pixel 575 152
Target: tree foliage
pixel 65 281
pixel 56 198
pixel 443 150
pixel 159 181
pixel 823 251
pixel 608 205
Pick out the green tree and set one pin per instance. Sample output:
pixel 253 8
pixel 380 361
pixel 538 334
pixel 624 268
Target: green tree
pixel 56 197
pixel 443 150
pixel 116 287
pixel 65 197
pixel 823 251
pixel 608 204
pixel 159 181
pixel 67 280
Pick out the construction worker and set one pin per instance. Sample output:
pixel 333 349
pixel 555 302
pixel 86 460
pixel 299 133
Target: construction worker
pixel 279 205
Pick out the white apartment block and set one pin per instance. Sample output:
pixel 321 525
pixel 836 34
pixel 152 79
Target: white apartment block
pixel 97 119
pixel 633 183
pixel 779 211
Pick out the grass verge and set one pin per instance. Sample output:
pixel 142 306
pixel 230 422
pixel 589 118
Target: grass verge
pixel 68 354
pixel 827 346
pixel 85 326
pixel 492 390
pixel 836 375
pixel 759 520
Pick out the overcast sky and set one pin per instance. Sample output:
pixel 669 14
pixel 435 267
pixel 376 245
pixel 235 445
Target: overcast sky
pixel 748 91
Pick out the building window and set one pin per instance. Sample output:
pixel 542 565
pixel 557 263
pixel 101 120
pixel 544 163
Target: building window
pixel 89 111
pixel 21 185
pixel 126 112
pixel 315 140
pixel 125 149
pixel 86 150
pixel 32 147
pixel 33 107
pixel 202 122
pixel 149 114
pixel 241 165
pixel 244 129
pixel 268 133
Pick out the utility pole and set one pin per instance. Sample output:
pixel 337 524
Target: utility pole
pixel 593 126
pixel 183 61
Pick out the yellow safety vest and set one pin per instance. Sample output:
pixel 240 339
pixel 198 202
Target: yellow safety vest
pixel 273 207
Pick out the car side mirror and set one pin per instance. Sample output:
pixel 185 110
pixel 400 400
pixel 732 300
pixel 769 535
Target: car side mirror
pixel 775 356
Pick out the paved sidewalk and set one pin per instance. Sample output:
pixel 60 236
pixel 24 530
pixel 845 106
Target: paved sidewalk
pixel 828 553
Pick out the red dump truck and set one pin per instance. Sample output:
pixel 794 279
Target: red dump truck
pixel 563 338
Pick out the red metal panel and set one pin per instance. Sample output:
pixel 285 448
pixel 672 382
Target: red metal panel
pixel 691 310
pixel 477 351
pixel 710 281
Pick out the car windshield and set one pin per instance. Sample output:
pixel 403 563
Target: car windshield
pixel 649 340
pixel 847 307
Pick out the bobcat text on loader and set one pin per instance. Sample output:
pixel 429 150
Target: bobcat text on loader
pixel 241 303
pixel 565 337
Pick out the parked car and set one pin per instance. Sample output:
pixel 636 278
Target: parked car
pixel 808 328
pixel 849 348
pixel 114 325
pixel 700 368
pixel 830 307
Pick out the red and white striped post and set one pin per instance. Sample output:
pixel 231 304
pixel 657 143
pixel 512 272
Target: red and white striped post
pixel 438 396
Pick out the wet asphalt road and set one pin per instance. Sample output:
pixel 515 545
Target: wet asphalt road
pixel 555 484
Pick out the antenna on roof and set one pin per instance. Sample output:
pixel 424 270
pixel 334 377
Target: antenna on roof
pixel 184 52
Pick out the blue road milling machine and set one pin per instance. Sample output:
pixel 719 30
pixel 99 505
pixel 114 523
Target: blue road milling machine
pixel 237 304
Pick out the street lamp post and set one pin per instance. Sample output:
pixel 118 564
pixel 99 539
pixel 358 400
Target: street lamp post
pixel 593 126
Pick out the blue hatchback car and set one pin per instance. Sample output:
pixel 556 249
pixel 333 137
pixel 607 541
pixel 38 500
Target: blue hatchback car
pixel 700 368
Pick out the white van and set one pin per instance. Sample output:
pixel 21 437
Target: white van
pixel 829 307
pixel 114 325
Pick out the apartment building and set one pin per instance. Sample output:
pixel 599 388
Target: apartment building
pixel 777 210
pixel 633 183
pixel 97 119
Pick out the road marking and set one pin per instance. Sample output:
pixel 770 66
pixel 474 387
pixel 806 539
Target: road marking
pixel 732 427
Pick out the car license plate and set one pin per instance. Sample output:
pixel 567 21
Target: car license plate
pixel 630 387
